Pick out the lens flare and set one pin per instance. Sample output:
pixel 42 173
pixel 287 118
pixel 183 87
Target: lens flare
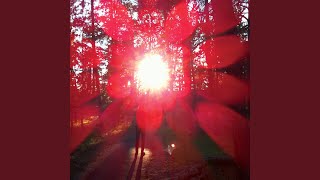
pixel 152 73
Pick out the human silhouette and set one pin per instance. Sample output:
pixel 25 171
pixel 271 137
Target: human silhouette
pixel 140 135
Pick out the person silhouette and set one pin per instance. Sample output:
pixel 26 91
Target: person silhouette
pixel 140 135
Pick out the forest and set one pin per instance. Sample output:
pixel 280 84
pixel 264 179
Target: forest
pixel 205 103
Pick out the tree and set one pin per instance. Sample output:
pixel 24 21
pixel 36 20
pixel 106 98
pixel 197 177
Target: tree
pixel 204 43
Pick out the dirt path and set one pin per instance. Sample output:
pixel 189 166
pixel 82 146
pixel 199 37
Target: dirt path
pixel 119 162
pixel 116 160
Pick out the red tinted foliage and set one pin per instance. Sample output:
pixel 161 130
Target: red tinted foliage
pixel 163 27
pixel 123 56
pixel 116 23
pixel 82 121
pixel 115 114
pixel 80 22
pixel 220 52
pixel 219 16
pixel 179 63
pixel 74 51
pixel 91 58
pixel 228 129
pixel 180 22
pixel 119 85
pixel 83 87
pixel 182 86
pixel 147 3
pixel 221 88
pixel 151 22
pixel 122 49
pixel 176 51
pixel 85 54
pixel 150 29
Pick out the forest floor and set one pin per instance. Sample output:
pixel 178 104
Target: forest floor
pixel 113 157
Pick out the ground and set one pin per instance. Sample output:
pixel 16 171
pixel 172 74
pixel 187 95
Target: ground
pixel 113 157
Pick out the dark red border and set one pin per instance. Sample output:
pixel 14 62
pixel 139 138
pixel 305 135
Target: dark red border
pixel 34 89
pixel 284 101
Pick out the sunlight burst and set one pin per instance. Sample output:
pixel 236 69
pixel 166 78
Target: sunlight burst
pixel 152 73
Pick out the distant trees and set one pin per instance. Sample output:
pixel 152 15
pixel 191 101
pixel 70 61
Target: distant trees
pixel 205 43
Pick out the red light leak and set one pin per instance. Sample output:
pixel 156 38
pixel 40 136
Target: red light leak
pixel 180 22
pixel 222 88
pixel 221 51
pixel 82 121
pixel 181 119
pixel 149 117
pixel 228 129
pixel 224 17
pixel 117 22
pixel 115 114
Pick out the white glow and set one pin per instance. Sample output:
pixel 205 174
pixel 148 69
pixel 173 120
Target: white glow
pixel 152 73
pixel 172 145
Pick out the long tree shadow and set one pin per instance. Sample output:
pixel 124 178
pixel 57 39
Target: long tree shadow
pixel 139 169
pixel 132 167
pixel 112 167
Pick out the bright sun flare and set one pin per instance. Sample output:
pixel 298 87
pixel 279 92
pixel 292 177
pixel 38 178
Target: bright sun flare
pixel 152 73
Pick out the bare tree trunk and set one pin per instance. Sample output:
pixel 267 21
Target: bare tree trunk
pixel 93 28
